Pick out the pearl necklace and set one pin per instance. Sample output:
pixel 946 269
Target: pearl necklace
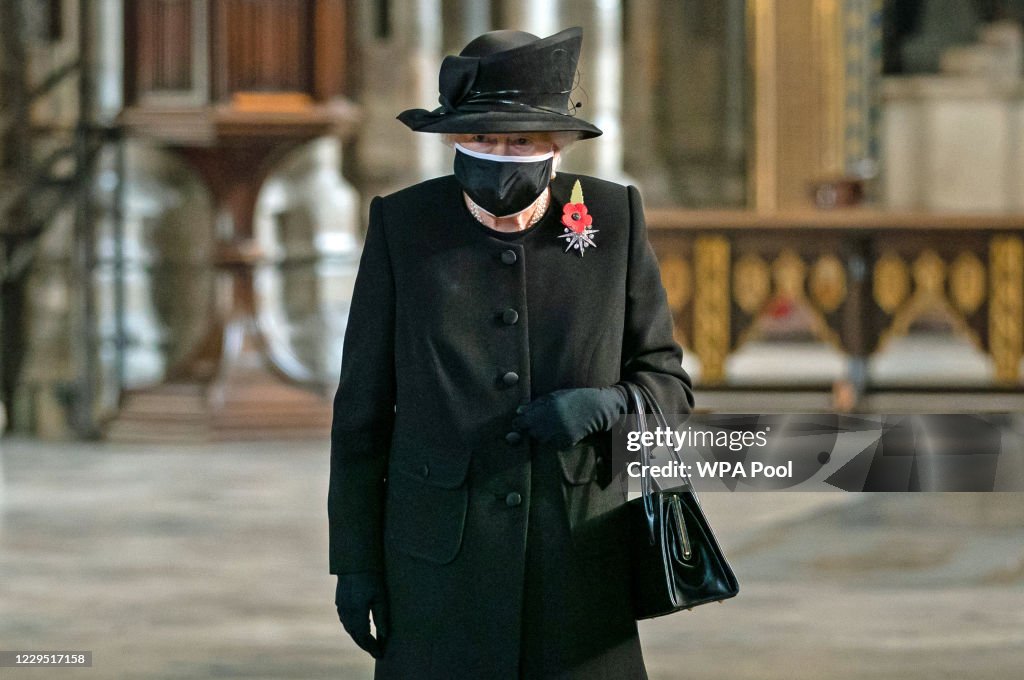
pixel 540 208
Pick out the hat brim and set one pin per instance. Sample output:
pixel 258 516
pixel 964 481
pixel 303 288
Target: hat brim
pixel 422 120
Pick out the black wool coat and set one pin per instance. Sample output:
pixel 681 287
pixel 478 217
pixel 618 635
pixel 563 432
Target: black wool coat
pixel 504 557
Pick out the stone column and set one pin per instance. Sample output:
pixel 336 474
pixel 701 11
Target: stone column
pixel 735 129
pixel 601 79
pixel 166 249
pixel 463 21
pixel 540 17
pixel 607 70
pixel 423 35
pixel 643 155
pixel 399 63
pixel 109 57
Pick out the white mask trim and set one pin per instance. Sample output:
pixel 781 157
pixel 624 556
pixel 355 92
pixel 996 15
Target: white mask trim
pixel 505 159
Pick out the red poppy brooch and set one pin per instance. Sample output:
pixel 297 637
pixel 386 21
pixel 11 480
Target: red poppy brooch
pixel 577 221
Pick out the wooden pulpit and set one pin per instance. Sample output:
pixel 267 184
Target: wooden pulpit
pixel 232 86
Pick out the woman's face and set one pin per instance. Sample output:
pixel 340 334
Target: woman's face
pixel 507 144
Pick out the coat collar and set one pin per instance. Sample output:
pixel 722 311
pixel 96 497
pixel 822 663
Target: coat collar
pixel 561 190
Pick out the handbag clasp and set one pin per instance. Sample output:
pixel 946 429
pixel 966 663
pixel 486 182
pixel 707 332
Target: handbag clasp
pixel 677 511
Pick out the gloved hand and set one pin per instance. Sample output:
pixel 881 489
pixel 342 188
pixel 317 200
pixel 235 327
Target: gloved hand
pixel 356 596
pixel 564 417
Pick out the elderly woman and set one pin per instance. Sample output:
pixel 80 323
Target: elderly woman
pixel 497 313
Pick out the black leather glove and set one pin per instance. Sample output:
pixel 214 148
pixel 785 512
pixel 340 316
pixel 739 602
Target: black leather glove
pixel 564 417
pixel 356 597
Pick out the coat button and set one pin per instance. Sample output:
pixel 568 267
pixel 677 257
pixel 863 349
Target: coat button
pixel 508 257
pixel 510 378
pixel 513 437
pixel 424 470
pixel 510 316
pixel 513 499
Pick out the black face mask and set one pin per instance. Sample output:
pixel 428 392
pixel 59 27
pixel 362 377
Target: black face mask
pixel 502 185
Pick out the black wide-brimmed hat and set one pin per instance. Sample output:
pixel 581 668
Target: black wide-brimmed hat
pixel 507 81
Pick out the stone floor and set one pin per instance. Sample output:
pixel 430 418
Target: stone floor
pixel 210 562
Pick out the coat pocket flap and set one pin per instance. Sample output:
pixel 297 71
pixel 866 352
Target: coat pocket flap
pixel 423 518
pixel 445 468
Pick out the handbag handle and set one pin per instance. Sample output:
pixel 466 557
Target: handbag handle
pixel 646 480
pixel 642 399
pixel 659 417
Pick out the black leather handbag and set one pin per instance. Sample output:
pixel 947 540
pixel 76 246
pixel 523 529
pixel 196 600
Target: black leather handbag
pixel 676 560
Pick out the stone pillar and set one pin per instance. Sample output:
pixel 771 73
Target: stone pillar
pixel 463 21
pixel 399 63
pixel 601 79
pixel 540 17
pixel 44 391
pixel 166 249
pixel 131 336
pixel 476 19
pixel 642 154
pixel 699 101
pixel 109 57
pixel 735 129
pixel 423 35
pixel 607 70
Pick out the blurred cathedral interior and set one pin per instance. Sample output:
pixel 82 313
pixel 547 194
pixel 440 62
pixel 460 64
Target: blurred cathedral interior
pixel 834 191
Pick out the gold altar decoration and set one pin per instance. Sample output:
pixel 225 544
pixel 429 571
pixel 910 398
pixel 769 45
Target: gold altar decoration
pixel 711 310
pixel 790 273
pixel 928 295
pixel 967 282
pixel 751 283
pixel 891 283
pixel 828 282
pixel 962 271
pixel 1006 306
pixel 677 279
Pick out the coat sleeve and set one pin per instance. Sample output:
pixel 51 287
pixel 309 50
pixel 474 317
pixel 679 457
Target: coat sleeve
pixel 650 354
pixel 364 410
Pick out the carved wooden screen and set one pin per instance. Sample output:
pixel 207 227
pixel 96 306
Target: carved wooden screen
pixel 166 52
pixel 197 52
pixel 262 46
